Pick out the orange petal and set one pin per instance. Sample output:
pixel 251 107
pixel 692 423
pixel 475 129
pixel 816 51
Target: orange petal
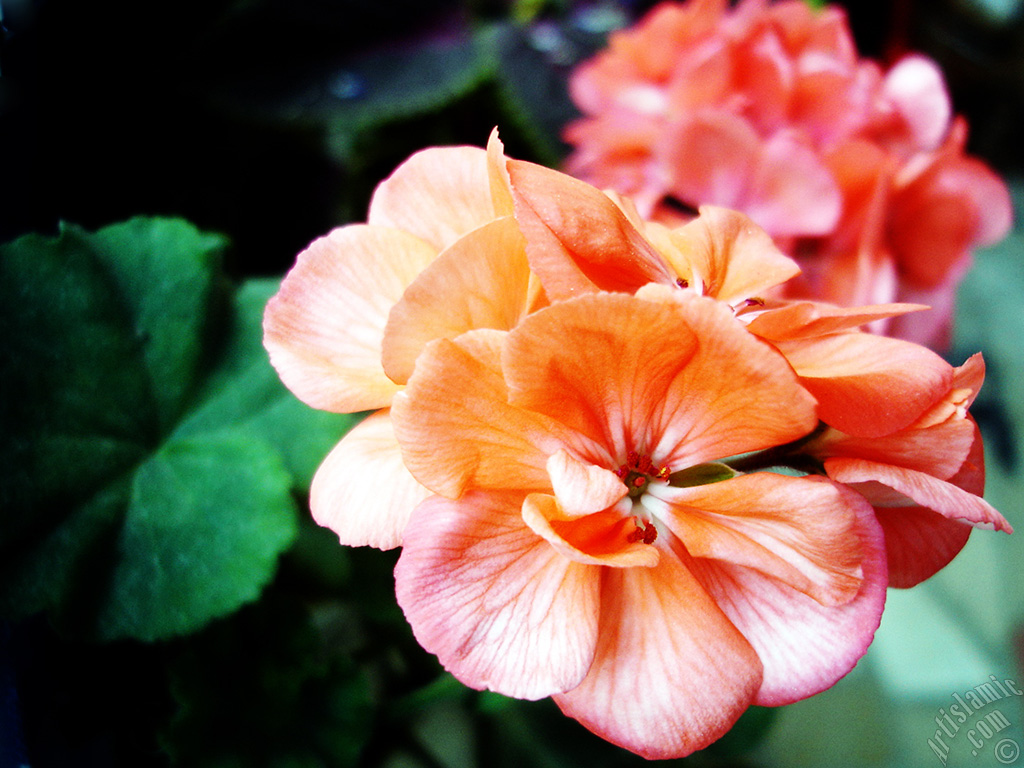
pixel 804 646
pixel 919 542
pixel 868 385
pixel 578 240
pixel 921 489
pixel 324 327
pixel 725 255
pixel 499 607
pixel 600 538
pixel 456 427
pixel 438 194
pixel 682 381
pixel 671 673
pixel 800 531
pixel 362 491
pixel 806 319
pixel 939 450
pixel 480 281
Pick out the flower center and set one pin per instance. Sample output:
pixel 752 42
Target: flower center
pixel 638 471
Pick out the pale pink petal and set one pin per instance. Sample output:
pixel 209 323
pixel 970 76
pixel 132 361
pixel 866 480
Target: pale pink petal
pixel 805 646
pixel 601 538
pixel 917 90
pixel 438 194
pixel 713 157
pixel 324 327
pixel 457 429
pixel 800 531
pixel 362 491
pixel 577 239
pixel 480 281
pixel 500 608
pixel 922 489
pixel 868 385
pixel 792 192
pixel 671 673
pixel 582 488
pixel 681 381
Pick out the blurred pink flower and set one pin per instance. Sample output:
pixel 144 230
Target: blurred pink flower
pixel 857 172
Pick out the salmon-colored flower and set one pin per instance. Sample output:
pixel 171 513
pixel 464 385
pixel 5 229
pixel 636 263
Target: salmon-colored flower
pixel 873 391
pixel 625 470
pixel 585 543
pixel 440 254
pixel 858 172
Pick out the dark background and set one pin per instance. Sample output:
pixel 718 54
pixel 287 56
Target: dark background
pixel 202 108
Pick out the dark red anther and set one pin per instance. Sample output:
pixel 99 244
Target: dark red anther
pixel 645 531
pixel 682 282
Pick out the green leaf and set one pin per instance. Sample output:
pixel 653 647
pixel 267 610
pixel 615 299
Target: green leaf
pixel 384 86
pixel 533 86
pixel 153 453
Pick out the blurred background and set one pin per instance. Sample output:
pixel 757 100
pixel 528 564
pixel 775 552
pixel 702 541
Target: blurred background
pixel 266 123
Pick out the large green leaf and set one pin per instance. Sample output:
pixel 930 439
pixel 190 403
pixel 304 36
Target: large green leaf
pixel 152 452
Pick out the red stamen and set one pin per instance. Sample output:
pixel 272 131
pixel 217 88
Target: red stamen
pixel 648 533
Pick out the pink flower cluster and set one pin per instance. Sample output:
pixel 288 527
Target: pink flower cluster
pixel 858 172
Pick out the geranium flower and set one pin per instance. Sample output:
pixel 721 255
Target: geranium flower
pixel 877 393
pixel 626 472
pixel 584 543
pixel 858 173
pixel 439 255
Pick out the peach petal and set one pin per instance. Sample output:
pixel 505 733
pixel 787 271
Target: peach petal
pixel 497 174
pixel 480 281
pixel 806 319
pixel 457 429
pixel 868 385
pixel 671 674
pixel 600 538
pixel 578 241
pixel 438 194
pixel 500 608
pixel 805 646
pixel 922 489
pixel 362 491
pixel 324 327
pixel 683 382
pixel 725 255
pixel 797 530
pixel 939 449
pixel 582 488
